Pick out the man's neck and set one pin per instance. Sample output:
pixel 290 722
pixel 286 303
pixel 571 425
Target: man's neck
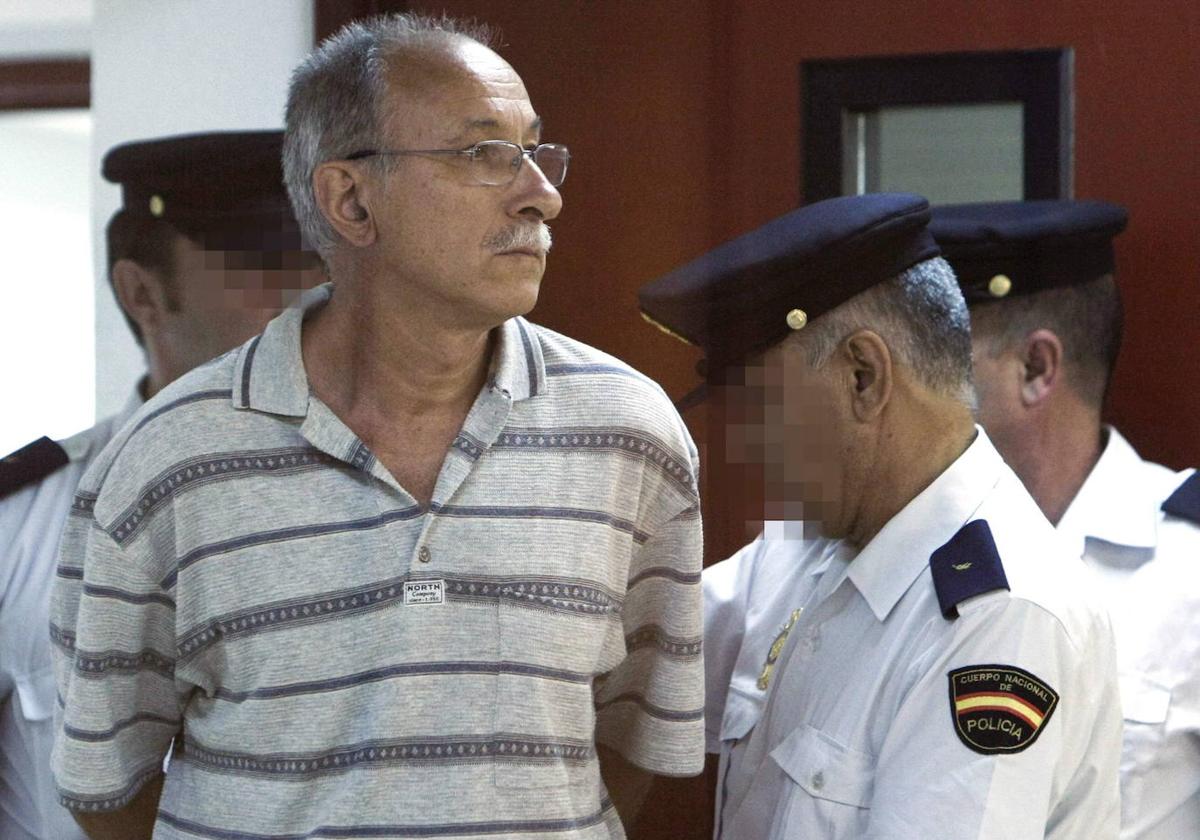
pixel 908 459
pixel 1057 455
pixel 388 360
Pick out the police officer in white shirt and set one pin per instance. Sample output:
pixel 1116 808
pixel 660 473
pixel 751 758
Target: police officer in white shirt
pixel 1046 324
pixel 203 252
pixel 908 652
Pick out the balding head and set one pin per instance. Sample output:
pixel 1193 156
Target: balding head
pixel 343 96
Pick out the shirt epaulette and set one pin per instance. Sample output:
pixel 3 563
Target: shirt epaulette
pixel 967 565
pixel 1185 501
pixel 30 463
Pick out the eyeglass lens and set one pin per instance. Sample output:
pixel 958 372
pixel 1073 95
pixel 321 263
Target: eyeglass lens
pixel 499 162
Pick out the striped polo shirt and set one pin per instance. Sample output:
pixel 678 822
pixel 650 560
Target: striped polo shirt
pixel 241 578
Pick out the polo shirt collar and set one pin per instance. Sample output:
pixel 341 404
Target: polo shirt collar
pixel 1109 506
pixel 887 566
pixel 518 367
pixel 269 373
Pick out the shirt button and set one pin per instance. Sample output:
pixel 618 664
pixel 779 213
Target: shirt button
pixel 818 780
pixel 424 554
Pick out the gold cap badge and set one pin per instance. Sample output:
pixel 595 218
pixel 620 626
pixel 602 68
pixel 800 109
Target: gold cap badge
pixel 999 285
pixel 157 206
pixel 797 318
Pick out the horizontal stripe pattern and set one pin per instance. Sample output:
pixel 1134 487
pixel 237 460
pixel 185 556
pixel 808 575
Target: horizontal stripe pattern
pixel 423 669
pixel 391 752
pixel 320 632
pixel 997 701
pixel 221 466
pixel 517 828
pixel 624 441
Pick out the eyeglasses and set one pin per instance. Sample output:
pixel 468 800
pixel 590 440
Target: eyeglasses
pixel 495 162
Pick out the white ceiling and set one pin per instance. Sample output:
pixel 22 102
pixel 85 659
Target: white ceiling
pixel 31 28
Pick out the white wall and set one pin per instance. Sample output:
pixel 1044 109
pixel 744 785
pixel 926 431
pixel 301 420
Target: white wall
pixel 164 67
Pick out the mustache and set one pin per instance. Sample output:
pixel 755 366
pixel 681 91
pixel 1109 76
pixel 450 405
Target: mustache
pixel 520 237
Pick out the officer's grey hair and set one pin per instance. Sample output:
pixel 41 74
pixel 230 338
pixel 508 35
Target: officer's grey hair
pixel 336 101
pixel 921 316
pixel 1086 317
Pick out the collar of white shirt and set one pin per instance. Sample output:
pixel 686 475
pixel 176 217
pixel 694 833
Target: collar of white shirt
pixel 887 566
pixel 1117 503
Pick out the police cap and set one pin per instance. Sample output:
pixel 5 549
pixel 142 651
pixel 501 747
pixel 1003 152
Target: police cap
pixel 753 291
pixel 223 189
pixel 1011 248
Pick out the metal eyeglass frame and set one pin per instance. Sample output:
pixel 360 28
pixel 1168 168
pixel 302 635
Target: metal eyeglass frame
pixel 473 151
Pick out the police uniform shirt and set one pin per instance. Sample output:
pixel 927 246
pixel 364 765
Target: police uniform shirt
pixel 31 520
pixel 899 704
pixel 1147 563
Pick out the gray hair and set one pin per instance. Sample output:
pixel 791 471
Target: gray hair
pixel 336 98
pixel 923 318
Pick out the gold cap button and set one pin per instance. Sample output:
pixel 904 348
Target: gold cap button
pixel 797 318
pixel 999 285
pixel 157 205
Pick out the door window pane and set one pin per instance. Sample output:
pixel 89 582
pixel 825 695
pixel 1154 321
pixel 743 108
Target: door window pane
pixel 947 153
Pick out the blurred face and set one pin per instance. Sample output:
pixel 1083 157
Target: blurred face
pixel 470 251
pixel 223 298
pixel 792 420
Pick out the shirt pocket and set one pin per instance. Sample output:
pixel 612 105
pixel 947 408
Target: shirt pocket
pixel 831 784
pixel 1145 705
pixel 551 650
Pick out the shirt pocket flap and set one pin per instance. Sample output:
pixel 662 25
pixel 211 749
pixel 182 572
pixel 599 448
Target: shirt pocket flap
pixel 824 768
pixel 36 693
pixel 741 713
pixel 1143 700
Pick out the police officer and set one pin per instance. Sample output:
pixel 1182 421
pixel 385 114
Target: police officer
pixel 909 653
pixel 1046 327
pixel 203 252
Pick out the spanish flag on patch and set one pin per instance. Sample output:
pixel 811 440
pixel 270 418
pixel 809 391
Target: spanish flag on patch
pixel 999 708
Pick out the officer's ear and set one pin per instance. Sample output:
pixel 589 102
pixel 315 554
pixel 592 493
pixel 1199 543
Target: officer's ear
pixel 871 373
pixel 343 192
pixel 143 293
pixel 1042 360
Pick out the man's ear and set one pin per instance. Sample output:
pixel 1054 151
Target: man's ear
pixel 143 294
pixel 342 197
pixel 1042 357
pixel 871 373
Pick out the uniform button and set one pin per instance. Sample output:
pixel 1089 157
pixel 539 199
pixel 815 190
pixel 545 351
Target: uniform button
pixel 818 780
pixel 424 554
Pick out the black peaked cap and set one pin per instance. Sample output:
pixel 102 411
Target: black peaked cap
pixel 753 291
pixel 223 188
pixel 1012 248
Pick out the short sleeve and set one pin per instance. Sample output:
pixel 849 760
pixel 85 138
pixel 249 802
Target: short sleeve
pixel 113 629
pixel 650 707
pixel 1011 729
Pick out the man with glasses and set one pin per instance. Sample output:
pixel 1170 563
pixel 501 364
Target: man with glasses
pixel 406 565
pixel 203 252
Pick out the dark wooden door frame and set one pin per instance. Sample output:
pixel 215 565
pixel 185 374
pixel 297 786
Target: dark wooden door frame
pixel 1041 80
pixel 45 83
pixel 331 15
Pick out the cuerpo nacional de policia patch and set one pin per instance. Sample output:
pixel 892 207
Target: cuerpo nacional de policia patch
pixel 999 708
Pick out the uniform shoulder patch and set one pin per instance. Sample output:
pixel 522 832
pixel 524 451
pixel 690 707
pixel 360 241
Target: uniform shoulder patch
pixel 999 708
pixel 967 565
pixel 1185 501
pixel 30 463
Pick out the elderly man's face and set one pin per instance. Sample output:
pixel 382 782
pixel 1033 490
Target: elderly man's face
pixel 455 241
pixel 795 424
